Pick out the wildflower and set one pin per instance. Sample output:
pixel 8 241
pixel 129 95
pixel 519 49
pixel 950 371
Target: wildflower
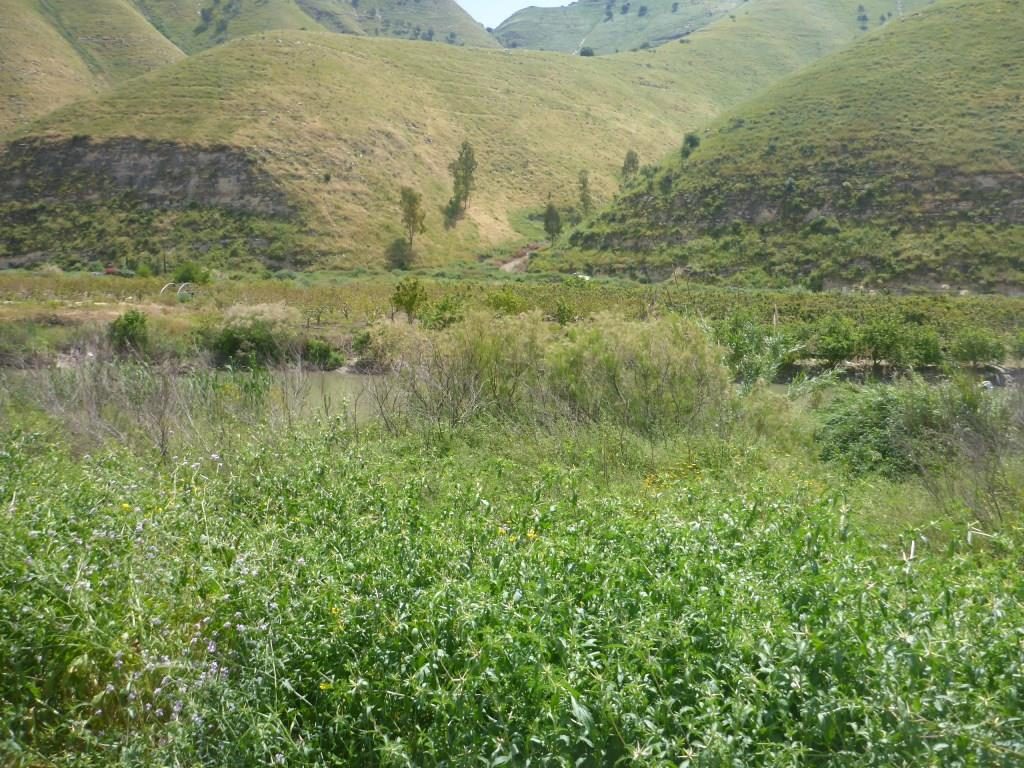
pixel 326 686
pixel 126 507
pixel 531 534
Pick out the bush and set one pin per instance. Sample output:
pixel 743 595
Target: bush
pixel 835 340
pixel 756 352
pixel 190 272
pixel 253 344
pixel 882 340
pixel 322 355
pixel 922 347
pixel 977 347
pixel 408 297
pixel 651 378
pixel 508 302
pixel 399 254
pixel 913 427
pixel 129 332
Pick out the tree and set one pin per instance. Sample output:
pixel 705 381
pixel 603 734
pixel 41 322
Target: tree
pixel 463 170
pixel 586 198
pixel 690 142
pixel 413 214
pixel 409 296
pixel 552 222
pixel 630 166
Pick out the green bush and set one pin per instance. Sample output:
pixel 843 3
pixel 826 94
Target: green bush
pixel 654 378
pixel 756 352
pixel 190 272
pixel 651 378
pixel 914 427
pixel 835 340
pixel 922 347
pixel 322 355
pixel 252 344
pixel 508 302
pixel 129 332
pixel 977 347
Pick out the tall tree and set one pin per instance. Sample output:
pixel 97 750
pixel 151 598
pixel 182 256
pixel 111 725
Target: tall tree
pixel 413 215
pixel 463 170
pixel 586 198
pixel 552 222
pixel 630 166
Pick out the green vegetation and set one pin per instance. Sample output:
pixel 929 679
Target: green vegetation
pixel 562 540
pixel 889 163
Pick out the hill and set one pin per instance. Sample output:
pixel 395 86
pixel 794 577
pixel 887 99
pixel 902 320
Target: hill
pixel 289 148
pixel 53 52
pixel 218 21
pixel 608 27
pixel 895 162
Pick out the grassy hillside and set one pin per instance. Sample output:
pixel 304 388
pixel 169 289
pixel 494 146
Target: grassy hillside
pixel 53 52
pixel 607 27
pixel 896 161
pixel 196 26
pixel 341 122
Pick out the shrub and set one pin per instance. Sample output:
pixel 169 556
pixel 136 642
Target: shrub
pixel 881 341
pixel 408 297
pixel 977 347
pixel 754 351
pixel 399 254
pixel 508 302
pixel 835 340
pixel 190 272
pixel 922 347
pixel 913 427
pixel 322 355
pixel 443 314
pixel 248 345
pixel 129 332
pixel 651 377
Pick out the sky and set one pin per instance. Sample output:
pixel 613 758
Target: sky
pixel 491 13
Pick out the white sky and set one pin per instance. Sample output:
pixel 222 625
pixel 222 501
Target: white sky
pixel 491 13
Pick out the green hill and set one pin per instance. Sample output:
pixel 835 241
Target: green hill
pixel 195 26
pixel 289 148
pixel 895 162
pixel 53 52
pixel 608 27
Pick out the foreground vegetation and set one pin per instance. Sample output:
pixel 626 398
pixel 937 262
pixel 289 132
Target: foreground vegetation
pixel 571 542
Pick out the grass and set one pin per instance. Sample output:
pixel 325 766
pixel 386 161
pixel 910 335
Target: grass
pixel 317 595
pixel 343 121
pixel 56 52
pixel 893 162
